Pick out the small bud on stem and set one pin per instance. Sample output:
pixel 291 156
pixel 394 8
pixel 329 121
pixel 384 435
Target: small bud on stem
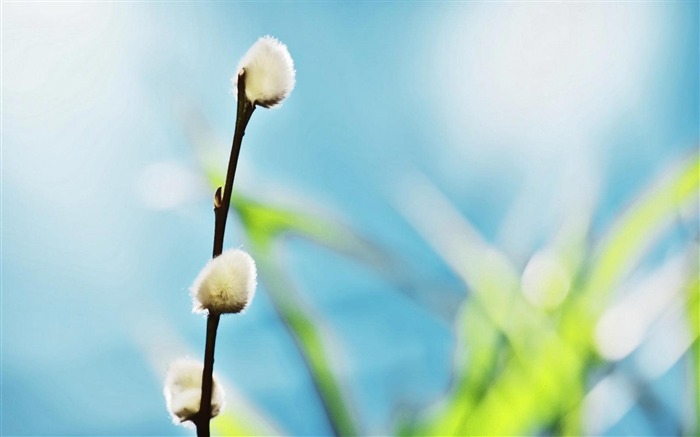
pixel 270 75
pixel 183 388
pixel 226 284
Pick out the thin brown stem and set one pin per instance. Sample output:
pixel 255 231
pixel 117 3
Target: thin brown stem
pixel 222 202
pixel 204 415
pixel 245 111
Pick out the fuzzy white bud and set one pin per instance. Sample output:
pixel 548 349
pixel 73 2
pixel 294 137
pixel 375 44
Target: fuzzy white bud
pixel 226 284
pixel 269 72
pixel 183 390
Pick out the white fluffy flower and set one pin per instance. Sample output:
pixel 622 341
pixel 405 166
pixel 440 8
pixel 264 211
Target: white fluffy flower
pixel 183 388
pixel 269 72
pixel 226 284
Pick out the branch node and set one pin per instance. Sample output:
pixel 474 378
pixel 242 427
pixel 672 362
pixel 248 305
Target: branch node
pixel 217 199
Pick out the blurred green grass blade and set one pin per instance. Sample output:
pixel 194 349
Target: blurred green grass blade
pixel 624 246
pixel 555 373
pixel 526 395
pixel 693 314
pixel 213 171
pixel 307 334
pixel 540 377
pixel 525 372
pixel 309 337
pixel 626 242
pixel 265 223
pixel 232 424
pixel 694 305
pixel 488 273
pixel 475 368
pixel 241 418
pixel 521 385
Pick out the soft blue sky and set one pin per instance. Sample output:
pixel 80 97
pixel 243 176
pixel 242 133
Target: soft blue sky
pixel 517 112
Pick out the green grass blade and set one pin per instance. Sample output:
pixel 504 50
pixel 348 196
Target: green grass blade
pixel 307 334
pixel 637 228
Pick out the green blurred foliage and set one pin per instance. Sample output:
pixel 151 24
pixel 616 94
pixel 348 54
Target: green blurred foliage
pixel 520 368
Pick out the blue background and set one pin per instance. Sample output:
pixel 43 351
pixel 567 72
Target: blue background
pixel 513 110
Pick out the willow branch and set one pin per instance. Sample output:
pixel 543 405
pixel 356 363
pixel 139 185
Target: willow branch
pixel 222 202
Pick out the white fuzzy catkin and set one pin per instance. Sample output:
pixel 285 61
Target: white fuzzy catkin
pixel 226 284
pixel 269 72
pixel 183 388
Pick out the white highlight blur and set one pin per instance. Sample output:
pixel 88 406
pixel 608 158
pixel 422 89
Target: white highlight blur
pixel 168 185
pixel 607 403
pixel 545 281
pixel 534 78
pixel 226 284
pixel 448 232
pixel 624 326
pixel 270 75
pixel 183 388
pixel 657 313
pixel 529 90
pixel 670 340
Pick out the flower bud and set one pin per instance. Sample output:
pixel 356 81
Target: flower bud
pixel 226 284
pixel 183 390
pixel 269 72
